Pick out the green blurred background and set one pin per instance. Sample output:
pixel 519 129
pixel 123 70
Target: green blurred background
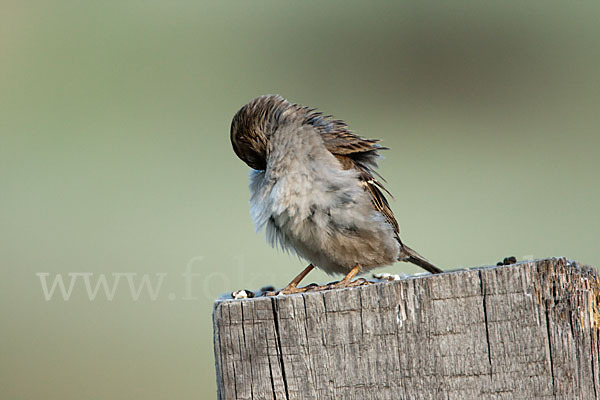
pixel 115 157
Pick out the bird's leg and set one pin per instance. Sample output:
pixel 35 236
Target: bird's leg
pixel 347 281
pixel 292 287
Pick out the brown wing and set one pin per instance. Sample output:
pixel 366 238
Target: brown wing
pixel 355 152
pixel 373 187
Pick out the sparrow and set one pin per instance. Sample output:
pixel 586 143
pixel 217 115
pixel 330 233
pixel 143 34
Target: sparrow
pixel 314 190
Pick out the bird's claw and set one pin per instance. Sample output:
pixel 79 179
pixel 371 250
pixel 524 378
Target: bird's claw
pixel 313 287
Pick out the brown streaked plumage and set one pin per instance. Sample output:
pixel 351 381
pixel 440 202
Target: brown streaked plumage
pixel 285 142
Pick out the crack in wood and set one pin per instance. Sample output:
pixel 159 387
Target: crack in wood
pixel 279 347
pixel 485 316
pixel 592 365
pixel 235 381
pixel 596 375
pixel 549 335
pixel 249 352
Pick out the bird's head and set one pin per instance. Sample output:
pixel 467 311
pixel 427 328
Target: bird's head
pixel 253 125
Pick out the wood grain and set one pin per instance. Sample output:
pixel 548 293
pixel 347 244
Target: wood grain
pixel 523 331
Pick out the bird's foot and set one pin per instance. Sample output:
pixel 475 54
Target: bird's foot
pixel 313 287
pixel 344 283
pixel 291 289
pixel 348 283
pixel 338 285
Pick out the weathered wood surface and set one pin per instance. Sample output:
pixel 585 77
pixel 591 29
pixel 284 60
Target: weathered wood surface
pixel 524 331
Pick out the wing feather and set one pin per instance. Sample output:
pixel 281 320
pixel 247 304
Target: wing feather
pixel 355 152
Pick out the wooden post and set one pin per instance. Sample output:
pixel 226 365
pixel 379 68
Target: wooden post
pixel 523 331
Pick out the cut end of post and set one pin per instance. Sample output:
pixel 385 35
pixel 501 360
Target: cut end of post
pixel 470 333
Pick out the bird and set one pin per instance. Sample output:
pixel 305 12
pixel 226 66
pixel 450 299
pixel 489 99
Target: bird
pixel 315 190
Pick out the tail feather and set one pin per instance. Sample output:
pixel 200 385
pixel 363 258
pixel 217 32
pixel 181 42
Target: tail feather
pixel 412 256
